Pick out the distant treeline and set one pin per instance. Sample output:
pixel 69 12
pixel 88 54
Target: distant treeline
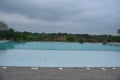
pixel 10 34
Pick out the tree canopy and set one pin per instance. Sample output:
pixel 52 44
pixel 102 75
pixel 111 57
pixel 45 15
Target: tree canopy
pixel 10 34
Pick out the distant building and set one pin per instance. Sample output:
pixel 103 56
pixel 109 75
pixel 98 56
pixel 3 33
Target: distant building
pixel 3 26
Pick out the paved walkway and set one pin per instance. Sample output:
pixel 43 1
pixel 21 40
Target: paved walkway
pixel 34 73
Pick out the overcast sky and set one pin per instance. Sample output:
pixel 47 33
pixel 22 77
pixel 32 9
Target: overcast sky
pixel 71 16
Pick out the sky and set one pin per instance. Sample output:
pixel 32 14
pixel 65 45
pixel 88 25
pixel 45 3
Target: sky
pixel 65 16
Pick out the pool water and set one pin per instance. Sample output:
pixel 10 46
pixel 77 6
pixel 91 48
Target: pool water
pixel 59 54
pixel 72 46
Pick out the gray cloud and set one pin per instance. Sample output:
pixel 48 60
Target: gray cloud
pixel 72 16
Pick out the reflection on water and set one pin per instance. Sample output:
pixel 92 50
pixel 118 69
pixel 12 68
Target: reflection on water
pixel 74 46
pixel 114 45
pixel 9 45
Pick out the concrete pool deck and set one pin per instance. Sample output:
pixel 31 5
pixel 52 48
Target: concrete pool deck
pixel 48 73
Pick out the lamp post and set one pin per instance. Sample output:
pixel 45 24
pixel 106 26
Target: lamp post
pixel 118 31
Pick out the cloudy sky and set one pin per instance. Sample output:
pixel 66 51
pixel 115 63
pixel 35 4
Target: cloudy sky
pixel 71 16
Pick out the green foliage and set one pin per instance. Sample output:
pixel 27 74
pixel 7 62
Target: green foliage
pixel 70 38
pixel 10 34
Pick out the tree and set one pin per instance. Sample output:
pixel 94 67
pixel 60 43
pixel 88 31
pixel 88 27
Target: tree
pixel 70 38
pixel 3 26
pixel 10 33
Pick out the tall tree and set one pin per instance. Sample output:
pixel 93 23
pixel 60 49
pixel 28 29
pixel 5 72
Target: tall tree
pixel 3 26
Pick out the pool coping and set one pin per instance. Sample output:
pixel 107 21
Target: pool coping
pixel 59 73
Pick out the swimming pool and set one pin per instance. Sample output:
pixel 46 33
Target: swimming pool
pixel 68 46
pixel 59 54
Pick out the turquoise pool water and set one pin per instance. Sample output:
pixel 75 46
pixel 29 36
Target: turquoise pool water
pixel 59 54
pixel 57 46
